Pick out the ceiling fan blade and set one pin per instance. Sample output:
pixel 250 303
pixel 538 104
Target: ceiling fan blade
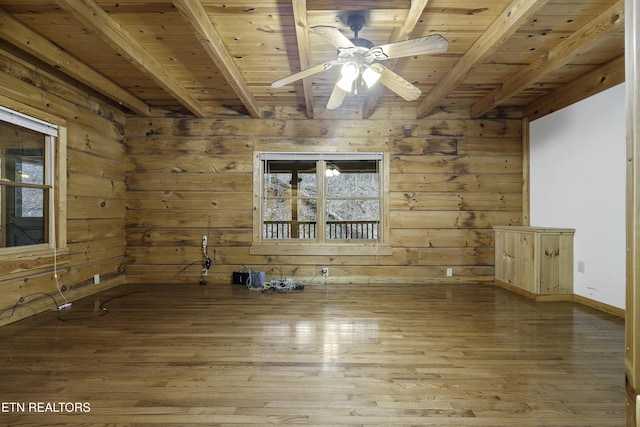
pixel 304 73
pixel 420 46
pixel 336 98
pixel 333 36
pixel 397 84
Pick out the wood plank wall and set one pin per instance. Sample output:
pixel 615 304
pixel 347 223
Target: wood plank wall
pixel 451 179
pixel 94 229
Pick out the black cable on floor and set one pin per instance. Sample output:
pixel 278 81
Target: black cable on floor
pixel 104 311
pixel 21 300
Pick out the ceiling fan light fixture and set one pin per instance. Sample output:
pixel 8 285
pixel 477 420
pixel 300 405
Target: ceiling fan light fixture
pixel 349 73
pixel 356 58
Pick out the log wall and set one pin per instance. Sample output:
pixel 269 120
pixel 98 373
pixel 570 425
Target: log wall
pixel 451 179
pixel 95 193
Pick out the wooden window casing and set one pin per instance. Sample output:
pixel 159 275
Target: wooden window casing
pixel 312 230
pixel 20 145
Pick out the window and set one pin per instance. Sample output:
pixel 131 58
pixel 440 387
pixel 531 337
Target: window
pixel 320 200
pixel 27 171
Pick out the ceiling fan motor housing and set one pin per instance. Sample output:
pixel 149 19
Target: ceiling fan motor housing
pixel 360 42
pixel 356 23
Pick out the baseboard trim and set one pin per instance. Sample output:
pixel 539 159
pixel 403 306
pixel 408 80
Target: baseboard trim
pixel 534 296
pixel 600 306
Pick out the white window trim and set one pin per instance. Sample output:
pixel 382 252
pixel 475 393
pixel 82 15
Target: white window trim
pixel 260 246
pixel 22 120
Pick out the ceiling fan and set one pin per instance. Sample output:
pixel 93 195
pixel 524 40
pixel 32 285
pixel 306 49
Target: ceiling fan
pixel 358 56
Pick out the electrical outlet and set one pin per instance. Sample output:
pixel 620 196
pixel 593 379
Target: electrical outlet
pixel 96 279
pixel 325 271
pixel 449 271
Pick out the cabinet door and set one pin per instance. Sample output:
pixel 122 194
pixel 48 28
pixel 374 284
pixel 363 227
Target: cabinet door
pixel 549 256
pixel 556 264
pixel 502 257
pixel 525 272
pixel 515 259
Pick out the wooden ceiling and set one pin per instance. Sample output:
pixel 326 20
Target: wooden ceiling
pixel 209 59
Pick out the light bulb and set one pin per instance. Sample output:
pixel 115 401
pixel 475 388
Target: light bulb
pixel 349 73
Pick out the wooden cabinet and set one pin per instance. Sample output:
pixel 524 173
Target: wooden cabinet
pixel 535 261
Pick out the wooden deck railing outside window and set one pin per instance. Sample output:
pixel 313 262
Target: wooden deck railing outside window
pixel 307 230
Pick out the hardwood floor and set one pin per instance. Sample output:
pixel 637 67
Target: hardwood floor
pixel 431 355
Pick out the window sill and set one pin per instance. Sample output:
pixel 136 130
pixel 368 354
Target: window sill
pixel 306 248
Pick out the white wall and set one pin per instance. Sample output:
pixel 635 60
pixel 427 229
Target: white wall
pixel 578 171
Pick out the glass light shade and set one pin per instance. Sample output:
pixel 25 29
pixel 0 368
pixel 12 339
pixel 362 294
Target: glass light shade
pixel 349 72
pixel 370 76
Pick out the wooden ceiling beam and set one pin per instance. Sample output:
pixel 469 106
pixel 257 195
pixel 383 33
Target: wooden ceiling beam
pixel 95 19
pixel 602 78
pixel 206 32
pixel 400 34
pixel 498 32
pixel 302 38
pixel 582 40
pixel 21 36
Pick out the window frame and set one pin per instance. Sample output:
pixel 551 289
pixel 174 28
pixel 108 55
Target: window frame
pixel 54 182
pixel 321 246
